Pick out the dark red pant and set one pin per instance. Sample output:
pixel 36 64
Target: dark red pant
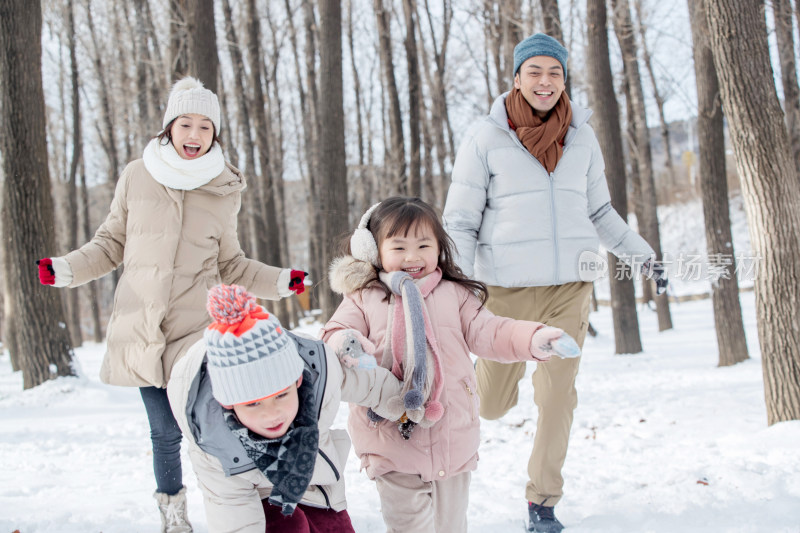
pixel 306 519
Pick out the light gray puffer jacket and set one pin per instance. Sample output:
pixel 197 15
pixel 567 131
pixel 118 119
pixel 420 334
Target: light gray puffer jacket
pixel 516 225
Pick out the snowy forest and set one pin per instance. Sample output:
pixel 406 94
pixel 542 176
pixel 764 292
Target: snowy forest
pixel 331 105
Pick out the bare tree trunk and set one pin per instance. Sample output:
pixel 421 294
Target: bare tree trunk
pixel 141 57
pixel 648 227
pixel 156 70
pixel 782 12
pixel 43 345
pixel 511 31
pixel 502 32
pixel 552 27
pixel 395 156
pixel 270 232
pixel 771 192
pixel 609 135
pixel 648 63
pixel 250 200
pixel 94 300
pixel 332 154
pixel 714 185
pixel 126 122
pixel 441 129
pixel 287 307
pixel 308 110
pixel 203 58
pixel 107 136
pixel 178 39
pixel 362 190
pixel 73 303
pixel 414 187
pixel 315 202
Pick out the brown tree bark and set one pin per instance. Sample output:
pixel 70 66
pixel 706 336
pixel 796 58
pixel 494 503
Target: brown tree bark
pixel 782 13
pixel 502 32
pixel 73 303
pixel 414 186
pixel 333 171
pixel 251 199
pixel 648 225
pixel 28 227
pixel 202 52
pixel 552 27
pixel 609 135
pixel 106 133
pixel 307 95
pixel 178 39
pixel 395 153
pixel 93 287
pixel 270 233
pixel 141 58
pixel 441 128
pixel 648 63
pixel 362 191
pixel 771 192
pixel 714 185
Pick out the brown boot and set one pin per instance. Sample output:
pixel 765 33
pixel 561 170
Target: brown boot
pixel 173 512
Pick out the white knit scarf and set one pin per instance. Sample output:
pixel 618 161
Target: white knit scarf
pixel 171 170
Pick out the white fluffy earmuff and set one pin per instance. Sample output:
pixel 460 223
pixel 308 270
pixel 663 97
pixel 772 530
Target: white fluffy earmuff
pixel 362 244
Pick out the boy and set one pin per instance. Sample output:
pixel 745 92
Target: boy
pixel 256 404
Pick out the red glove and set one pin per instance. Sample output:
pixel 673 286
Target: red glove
pixel 296 278
pixel 47 276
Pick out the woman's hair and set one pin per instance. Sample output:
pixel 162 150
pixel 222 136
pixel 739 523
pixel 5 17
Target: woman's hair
pixel 400 215
pixel 166 133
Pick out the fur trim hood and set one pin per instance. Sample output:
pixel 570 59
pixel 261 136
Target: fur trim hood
pixel 348 275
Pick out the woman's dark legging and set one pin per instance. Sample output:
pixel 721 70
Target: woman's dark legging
pixel 166 437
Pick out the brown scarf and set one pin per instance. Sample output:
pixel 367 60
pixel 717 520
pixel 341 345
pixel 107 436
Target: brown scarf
pixel 544 139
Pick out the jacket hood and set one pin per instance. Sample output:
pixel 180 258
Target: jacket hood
pixel 230 181
pixel 348 274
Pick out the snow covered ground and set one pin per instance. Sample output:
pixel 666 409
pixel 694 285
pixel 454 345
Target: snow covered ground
pixel 663 441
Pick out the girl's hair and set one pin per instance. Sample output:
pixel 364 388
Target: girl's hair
pixel 402 214
pixel 166 133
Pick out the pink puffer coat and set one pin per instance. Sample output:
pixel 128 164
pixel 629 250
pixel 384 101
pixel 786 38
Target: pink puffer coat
pixel 461 325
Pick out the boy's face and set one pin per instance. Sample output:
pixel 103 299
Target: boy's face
pixel 270 417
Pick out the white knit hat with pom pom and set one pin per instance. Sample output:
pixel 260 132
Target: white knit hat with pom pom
pixel 189 96
pixel 250 356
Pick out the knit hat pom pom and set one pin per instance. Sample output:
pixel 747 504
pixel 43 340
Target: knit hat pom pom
pixel 434 411
pixel 413 399
pixel 230 304
pixel 187 84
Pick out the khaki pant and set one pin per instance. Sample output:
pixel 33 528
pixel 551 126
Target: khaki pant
pixel 562 306
pixel 410 505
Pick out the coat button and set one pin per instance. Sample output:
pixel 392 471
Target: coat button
pixel 235 459
pixel 441 473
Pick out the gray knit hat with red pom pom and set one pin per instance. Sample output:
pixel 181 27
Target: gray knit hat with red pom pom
pixel 250 356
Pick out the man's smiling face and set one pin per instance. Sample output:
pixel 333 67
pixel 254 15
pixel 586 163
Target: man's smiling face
pixel 541 81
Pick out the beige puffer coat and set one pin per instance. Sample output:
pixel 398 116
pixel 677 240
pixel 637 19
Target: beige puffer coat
pixel 175 245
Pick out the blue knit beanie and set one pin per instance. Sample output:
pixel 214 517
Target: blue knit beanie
pixel 540 45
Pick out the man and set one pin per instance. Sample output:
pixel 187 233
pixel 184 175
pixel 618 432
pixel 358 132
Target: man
pixel 528 198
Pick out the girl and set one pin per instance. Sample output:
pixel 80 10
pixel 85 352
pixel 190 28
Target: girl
pixel 405 298
pixel 172 223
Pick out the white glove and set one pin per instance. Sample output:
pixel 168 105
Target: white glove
pixel 548 341
pixel 54 271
